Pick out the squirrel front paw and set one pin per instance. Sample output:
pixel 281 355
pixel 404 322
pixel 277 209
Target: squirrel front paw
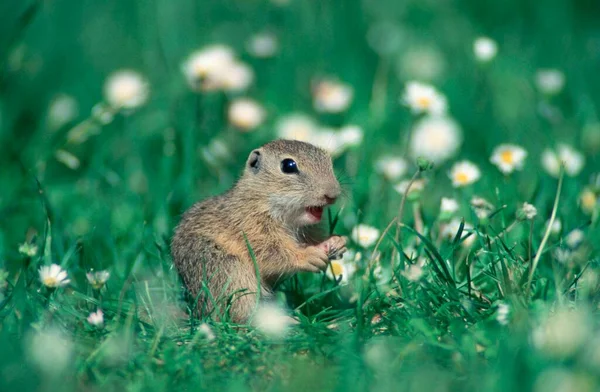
pixel 334 246
pixel 314 259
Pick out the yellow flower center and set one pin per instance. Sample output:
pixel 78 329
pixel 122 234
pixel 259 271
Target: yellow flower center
pixel 337 268
pixel 507 156
pixel 588 200
pixel 424 101
pixel 50 281
pixel 461 178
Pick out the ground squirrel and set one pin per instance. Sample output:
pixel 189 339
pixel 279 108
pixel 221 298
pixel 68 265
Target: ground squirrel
pixel 274 205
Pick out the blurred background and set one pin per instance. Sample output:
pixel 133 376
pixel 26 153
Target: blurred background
pixel 115 116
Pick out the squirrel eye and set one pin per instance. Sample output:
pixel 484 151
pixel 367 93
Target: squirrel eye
pixel 289 166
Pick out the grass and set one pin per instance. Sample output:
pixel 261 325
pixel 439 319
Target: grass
pixel 503 303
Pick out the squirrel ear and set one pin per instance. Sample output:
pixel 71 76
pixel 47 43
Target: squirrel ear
pixel 254 160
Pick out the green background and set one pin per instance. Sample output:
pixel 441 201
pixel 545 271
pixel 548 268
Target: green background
pixel 117 210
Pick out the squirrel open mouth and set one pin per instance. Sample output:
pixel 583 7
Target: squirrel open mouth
pixel 315 211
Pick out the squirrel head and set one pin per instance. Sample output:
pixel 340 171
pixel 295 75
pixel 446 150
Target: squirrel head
pixel 295 179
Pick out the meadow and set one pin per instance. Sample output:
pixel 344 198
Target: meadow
pixel 466 137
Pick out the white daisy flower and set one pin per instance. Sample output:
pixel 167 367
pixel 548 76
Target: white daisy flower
pixel 571 158
pixel 246 114
pixel 126 89
pixel 448 207
pixel 481 207
pixel 364 235
pixel 350 136
pixel 62 110
pixel 271 320
pixel 415 189
pixel 263 45
pixel 556 227
pixel 235 77
pixel 391 167
pixel 97 278
pixel 502 313
pixel 206 331
pixel 203 69
pixel 413 273
pixel 50 350
pixel 550 81
pixel 53 276
pixel 450 230
pixel 588 200
pixel 424 98
pixel 464 173
pixel 575 238
pixel 296 127
pixel 563 333
pixel 342 270
pixel 331 96
pixel 508 158
pixel 328 140
pixel 485 49
pixel 435 138
pixel 527 211
pixel 96 319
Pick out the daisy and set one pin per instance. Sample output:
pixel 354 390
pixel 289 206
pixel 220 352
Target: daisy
pixel 97 278
pixel 423 98
pixel 365 235
pixel 448 207
pixel 96 319
pixel 550 81
pixel 485 49
pixel 271 320
pixel 391 167
pixel 53 276
pixel 331 96
pixel 126 89
pixel 235 77
pixel 246 114
pixel 415 189
pixel 556 227
pixel 508 157
pixel 262 45
pixel 588 200
pixel 450 230
pixel 413 273
pixel 328 139
pixel 575 238
pixel 206 331
pixel 502 313
pixel 481 207
pixel 464 173
pixel 572 159
pixel 296 127
pixel 203 68
pixel 435 138
pixel 350 136
pixel 527 211
pixel 342 270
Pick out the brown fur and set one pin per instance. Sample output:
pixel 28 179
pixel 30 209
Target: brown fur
pixel 268 207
